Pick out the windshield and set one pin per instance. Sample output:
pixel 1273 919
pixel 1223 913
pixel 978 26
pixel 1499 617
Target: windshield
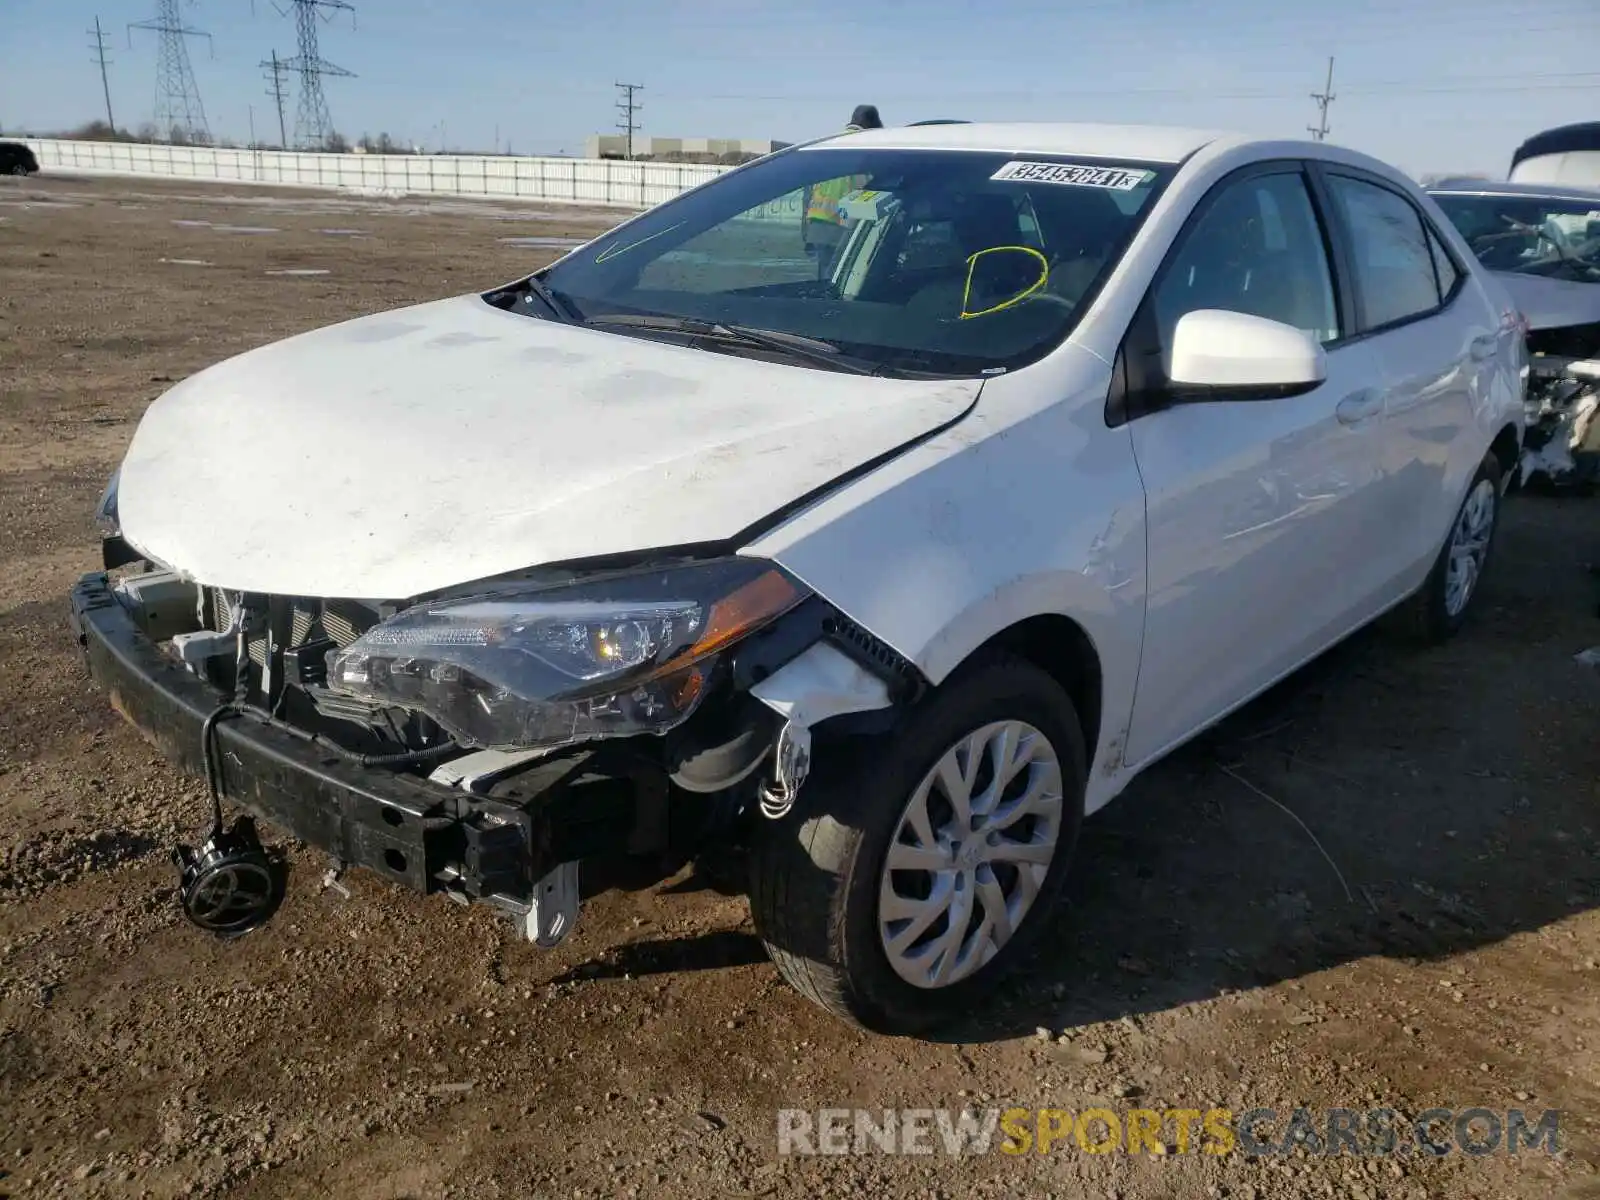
pixel 933 262
pixel 1530 235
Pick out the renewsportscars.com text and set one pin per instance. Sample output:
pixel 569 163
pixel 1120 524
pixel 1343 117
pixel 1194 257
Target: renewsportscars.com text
pixel 1255 1132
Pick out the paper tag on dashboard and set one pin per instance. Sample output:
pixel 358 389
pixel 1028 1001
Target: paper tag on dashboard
pixel 867 205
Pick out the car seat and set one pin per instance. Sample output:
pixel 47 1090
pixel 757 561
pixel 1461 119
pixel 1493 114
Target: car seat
pixel 985 222
pixel 978 221
pixel 1081 228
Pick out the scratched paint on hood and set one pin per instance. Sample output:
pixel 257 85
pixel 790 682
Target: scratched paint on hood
pixel 449 442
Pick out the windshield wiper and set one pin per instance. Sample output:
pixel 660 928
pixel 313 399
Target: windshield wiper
pixel 807 349
pixel 563 308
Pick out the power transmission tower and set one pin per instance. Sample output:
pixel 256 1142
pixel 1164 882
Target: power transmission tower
pixel 277 69
pixel 629 107
pixel 312 125
pixel 98 47
pixel 179 114
pixel 1325 97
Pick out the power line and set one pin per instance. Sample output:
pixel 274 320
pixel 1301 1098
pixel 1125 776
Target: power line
pixel 98 48
pixel 1286 22
pixel 1372 88
pixel 312 125
pixel 1269 13
pixel 628 106
pixel 1468 87
pixel 1319 131
pixel 1256 37
pixel 179 114
pixel 277 69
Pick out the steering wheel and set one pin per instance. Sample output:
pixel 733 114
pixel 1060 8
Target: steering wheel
pixel 1012 298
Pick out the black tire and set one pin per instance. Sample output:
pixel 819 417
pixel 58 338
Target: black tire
pixel 1426 616
pixel 815 873
pixel 19 169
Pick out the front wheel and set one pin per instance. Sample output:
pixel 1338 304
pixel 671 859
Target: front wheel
pixel 1439 608
pixel 908 880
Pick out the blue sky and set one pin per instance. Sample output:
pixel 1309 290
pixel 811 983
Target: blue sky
pixel 1430 85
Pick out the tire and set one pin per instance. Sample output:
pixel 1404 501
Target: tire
pixel 19 169
pixel 1434 614
pixel 816 873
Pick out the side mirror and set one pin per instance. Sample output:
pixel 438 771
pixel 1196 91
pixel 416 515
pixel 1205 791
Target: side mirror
pixel 1242 356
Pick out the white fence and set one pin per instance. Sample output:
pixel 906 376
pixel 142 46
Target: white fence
pixel 559 180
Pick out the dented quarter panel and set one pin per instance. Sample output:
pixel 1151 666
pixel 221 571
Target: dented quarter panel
pixel 1027 507
pixel 452 441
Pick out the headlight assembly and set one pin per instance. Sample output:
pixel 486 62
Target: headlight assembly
pixel 545 667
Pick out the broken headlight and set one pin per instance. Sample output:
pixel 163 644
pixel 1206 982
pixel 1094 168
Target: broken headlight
pixel 544 667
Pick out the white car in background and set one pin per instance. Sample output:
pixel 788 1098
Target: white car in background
pixel 887 563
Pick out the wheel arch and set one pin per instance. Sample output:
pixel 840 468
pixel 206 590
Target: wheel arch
pixel 1507 449
pixel 1062 648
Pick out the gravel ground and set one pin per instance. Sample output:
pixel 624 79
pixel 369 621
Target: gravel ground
pixel 386 1045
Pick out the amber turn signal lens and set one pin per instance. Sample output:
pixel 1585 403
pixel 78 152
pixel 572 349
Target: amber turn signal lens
pixel 768 595
pixel 743 610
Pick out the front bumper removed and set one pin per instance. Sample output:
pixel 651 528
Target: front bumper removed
pixel 518 852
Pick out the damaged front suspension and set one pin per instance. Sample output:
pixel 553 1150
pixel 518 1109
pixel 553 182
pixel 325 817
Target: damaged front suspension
pixel 1563 402
pixel 791 763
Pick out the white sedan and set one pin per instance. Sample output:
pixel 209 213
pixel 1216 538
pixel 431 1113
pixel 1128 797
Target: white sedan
pixel 880 508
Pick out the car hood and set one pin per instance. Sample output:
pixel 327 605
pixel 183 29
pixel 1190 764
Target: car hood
pixel 1552 303
pixel 450 442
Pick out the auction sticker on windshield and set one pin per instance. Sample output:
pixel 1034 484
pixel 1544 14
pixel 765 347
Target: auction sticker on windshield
pixel 1072 174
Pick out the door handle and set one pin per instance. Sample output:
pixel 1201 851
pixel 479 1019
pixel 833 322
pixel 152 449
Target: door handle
pixel 1358 407
pixel 1483 346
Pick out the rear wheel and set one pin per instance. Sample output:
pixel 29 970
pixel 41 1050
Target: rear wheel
pixel 908 881
pixel 1439 608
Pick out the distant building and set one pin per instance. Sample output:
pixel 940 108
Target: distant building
pixel 688 149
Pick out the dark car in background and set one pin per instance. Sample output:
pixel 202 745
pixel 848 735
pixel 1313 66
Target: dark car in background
pixel 17 159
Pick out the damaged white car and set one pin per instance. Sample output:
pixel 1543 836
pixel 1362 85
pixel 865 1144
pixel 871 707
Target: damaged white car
pixel 866 517
pixel 1543 242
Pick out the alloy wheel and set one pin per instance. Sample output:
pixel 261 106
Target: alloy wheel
pixel 971 851
pixel 1469 546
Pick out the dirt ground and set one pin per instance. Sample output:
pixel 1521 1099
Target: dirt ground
pixel 388 1045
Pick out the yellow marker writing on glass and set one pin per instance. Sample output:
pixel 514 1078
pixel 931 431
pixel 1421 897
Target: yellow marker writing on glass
pixel 972 266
